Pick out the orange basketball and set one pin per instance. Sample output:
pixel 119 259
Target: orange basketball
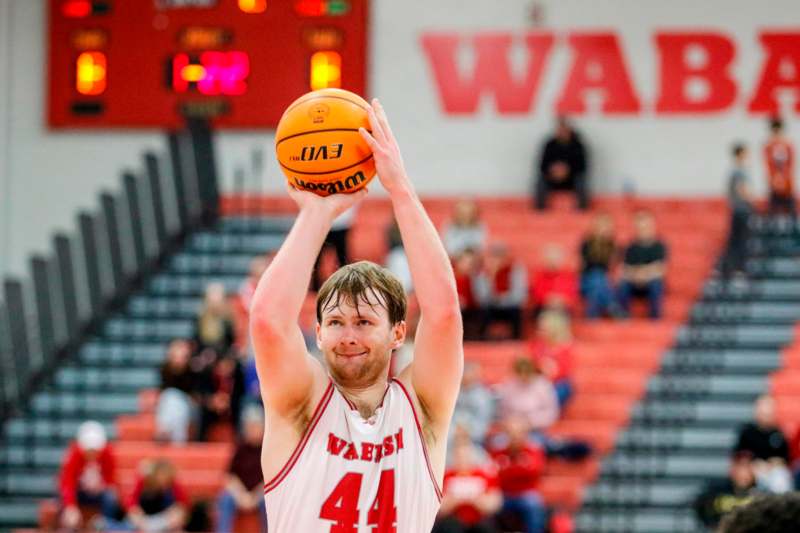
pixel 318 144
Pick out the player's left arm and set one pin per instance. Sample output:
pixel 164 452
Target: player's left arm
pixel 435 373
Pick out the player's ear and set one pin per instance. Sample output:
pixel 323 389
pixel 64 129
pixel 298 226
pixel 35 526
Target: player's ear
pixel 319 340
pixel 398 334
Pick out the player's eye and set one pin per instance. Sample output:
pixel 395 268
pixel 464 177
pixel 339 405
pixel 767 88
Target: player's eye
pixel 364 322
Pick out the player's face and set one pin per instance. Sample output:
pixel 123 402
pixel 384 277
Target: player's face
pixel 357 340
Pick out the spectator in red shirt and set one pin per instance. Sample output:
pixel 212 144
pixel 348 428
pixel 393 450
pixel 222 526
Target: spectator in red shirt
pixel 520 462
pixel 794 448
pixel 501 289
pixel 157 504
pixel 554 286
pixel 471 492
pixel 88 476
pixel 465 267
pixel 779 159
pixel 244 489
pixel 551 350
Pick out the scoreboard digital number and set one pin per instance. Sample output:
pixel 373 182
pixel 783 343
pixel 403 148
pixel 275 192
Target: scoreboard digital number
pixel 239 63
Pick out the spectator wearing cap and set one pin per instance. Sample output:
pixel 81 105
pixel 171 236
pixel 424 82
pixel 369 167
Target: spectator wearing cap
pixel 244 487
pixel 501 290
pixel 88 476
pixel 644 267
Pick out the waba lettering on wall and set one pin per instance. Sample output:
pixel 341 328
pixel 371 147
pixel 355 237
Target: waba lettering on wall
pixel 599 64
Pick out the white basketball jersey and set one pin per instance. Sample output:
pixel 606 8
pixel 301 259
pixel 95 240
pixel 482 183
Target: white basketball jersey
pixel 349 475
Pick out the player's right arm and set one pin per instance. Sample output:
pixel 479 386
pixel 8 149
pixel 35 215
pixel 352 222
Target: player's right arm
pixel 286 371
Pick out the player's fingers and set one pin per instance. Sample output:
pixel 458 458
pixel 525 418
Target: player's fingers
pixel 375 122
pixel 370 140
pixel 384 120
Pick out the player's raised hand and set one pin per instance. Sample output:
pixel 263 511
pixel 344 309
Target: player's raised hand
pixel 334 204
pixel 388 161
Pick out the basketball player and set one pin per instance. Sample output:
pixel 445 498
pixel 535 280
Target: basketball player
pixel 349 450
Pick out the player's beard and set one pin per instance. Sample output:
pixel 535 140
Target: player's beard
pixel 363 373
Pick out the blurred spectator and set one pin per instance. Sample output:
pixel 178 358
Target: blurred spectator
pixel 765 442
pixel 779 159
pixel 221 391
pixel 158 502
pixel 176 408
pixel 501 288
pixel 396 259
pixel 88 476
pixel 465 230
pixel 471 492
pixel 720 496
pixel 740 199
pixel 794 451
pixel 551 351
pixel 475 405
pixel 244 489
pixel 644 267
pixel 529 396
pixel 466 266
pixel 554 285
pixel 337 238
pixel 214 331
pixel 520 462
pixel 563 166
pixel 767 513
pixel 598 251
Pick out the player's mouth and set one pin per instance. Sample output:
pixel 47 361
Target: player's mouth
pixel 350 355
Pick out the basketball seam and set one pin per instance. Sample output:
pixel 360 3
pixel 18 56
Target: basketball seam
pixel 327 171
pixel 326 97
pixel 292 136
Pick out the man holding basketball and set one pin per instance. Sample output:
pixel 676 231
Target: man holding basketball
pixel 349 450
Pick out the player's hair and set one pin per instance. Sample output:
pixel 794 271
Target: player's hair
pixel 354 282
pixel 774 513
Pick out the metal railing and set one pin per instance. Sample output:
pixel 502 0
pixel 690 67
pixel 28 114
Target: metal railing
pixel 44 318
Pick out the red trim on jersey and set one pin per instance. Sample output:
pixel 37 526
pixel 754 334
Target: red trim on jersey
pixel 422 440
pixel 280 476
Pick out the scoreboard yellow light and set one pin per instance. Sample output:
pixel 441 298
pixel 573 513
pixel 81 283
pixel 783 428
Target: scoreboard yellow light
pixel 253 6
pixel 90 76
pixel 326 70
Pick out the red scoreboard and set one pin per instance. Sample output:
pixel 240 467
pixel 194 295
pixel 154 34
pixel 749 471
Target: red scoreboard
pixel 240 63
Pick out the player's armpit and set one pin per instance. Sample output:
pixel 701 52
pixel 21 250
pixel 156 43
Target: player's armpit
pixel 438 364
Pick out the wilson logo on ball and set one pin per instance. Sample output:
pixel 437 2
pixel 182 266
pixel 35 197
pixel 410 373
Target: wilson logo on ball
pixel 314 153
pixel 349 184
